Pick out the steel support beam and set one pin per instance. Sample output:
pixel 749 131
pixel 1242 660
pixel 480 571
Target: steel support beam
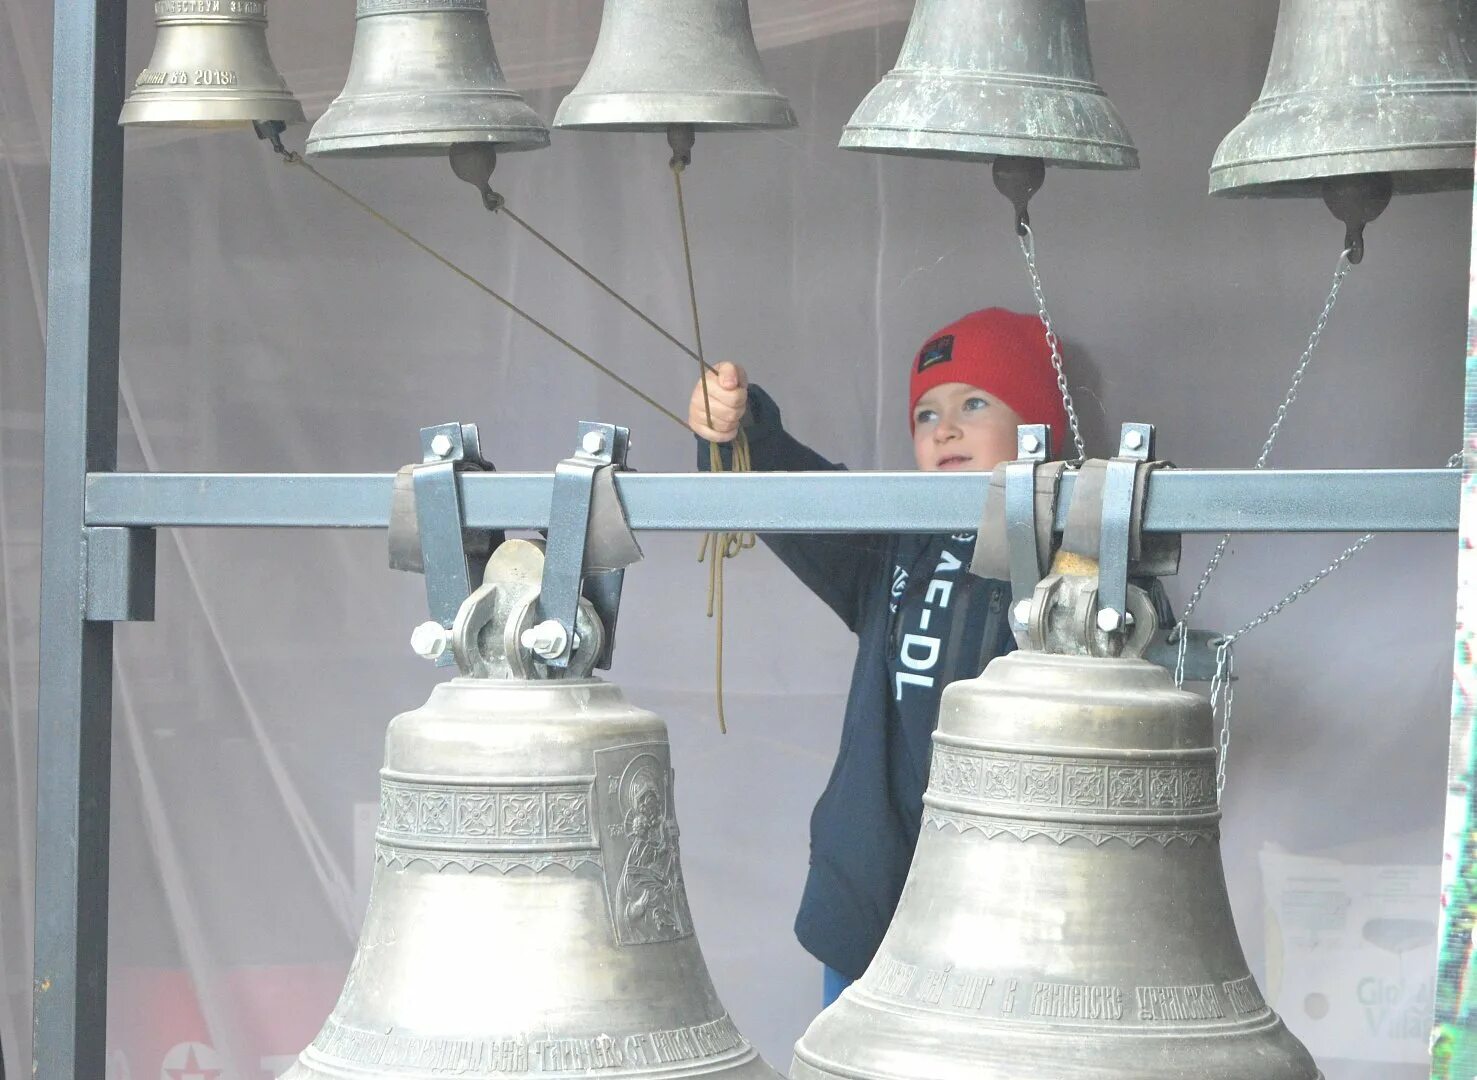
pixel 1181 501
pixel 76 676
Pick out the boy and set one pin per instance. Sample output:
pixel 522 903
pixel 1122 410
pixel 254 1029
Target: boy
pixel 921 621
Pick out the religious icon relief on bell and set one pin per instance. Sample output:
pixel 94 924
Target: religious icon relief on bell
pixel 643 874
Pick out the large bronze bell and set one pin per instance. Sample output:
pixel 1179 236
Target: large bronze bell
pixel 986 79
pixel 424 77
pixel 210 68
pixel 527 912
pixel 1358 87
pixel 660 63
pixel 1066 914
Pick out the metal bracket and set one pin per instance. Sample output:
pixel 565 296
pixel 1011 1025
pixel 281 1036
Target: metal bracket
pixel 120 574
pixel 1136 446
pixel 588 536
pixel 1033 447
pixel 428 533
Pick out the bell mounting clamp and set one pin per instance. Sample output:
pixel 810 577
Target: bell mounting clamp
pixel 1116 536
pixel 590 544
pixel 428 534
pixel 1016 536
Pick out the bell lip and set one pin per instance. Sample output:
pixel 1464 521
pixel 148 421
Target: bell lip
pixel 819 1063
pixel 1438 170
pixel 889 120
pixel 732 111
pixel 168 110
pixel 421 143
pixel 944 146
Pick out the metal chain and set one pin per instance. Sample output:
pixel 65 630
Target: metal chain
pixel 1028 249
pixel 1341 271
pixel 1221 691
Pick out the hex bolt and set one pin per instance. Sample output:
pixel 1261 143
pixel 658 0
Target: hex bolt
pixel 1133 439
pixel 1109 620
pixel 1022 612
pixel 547 640
pixel 593 442
pixel 430 640
pixel 441 445
pixel 1030 443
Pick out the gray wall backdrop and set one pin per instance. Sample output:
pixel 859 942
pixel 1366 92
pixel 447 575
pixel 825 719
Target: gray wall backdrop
pixel 269 326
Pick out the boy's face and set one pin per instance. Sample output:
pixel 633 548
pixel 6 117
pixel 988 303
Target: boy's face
pixel 958 427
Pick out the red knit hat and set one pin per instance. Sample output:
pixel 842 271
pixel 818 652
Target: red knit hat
pixel 1003 353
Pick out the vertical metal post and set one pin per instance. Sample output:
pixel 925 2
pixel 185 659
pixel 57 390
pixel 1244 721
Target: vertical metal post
pixel 75 701
pixel 1454 1045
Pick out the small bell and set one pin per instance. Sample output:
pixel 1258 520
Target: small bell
pixel 985 79
pixel 424 77
pixel 210 68
pixel 664 63
pixel 1359 87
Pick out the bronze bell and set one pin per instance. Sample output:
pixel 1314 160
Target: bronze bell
pixel 423 78
pixel 660 63
pixel 985 79
pixel 1066 914
pixel 527 913
pixel 1358 88
pixel 210 68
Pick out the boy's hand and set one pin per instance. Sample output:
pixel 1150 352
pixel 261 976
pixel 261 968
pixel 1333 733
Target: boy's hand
pixel 727 399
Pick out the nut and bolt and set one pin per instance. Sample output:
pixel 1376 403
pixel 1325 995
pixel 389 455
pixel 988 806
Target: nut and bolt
pixel 547 640
pixel 1030 443
pixel 593 442
pixel 1133 439
pixel 430 640
pixel 441 445
pixel 1022 612
pixel 1109 620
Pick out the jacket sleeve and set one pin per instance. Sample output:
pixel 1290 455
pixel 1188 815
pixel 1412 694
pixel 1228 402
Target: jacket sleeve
pixel 838 567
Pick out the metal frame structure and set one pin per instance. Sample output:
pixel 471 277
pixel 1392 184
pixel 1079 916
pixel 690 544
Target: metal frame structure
pixel 98 525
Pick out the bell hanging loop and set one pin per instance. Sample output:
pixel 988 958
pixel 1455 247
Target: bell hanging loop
pixel 424 78
pixel 982 79
pixel 659 63
pixel 211 68
pixel 1359 87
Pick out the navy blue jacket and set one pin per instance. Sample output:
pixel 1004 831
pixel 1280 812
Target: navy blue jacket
pixel 865 825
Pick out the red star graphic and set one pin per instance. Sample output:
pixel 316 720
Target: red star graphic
pixel 193 1070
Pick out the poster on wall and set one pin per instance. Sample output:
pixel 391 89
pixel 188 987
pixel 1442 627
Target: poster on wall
pixel 1351 954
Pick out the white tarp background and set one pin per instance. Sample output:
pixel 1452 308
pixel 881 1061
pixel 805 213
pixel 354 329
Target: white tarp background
pixel 269 326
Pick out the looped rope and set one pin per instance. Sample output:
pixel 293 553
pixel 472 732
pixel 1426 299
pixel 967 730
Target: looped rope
pixel 721 545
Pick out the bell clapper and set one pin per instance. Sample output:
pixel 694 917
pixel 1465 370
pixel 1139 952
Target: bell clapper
pixel 681 137
pixel 1018 179
pixel 1356 201
pixel 474 163
pixel 271 131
